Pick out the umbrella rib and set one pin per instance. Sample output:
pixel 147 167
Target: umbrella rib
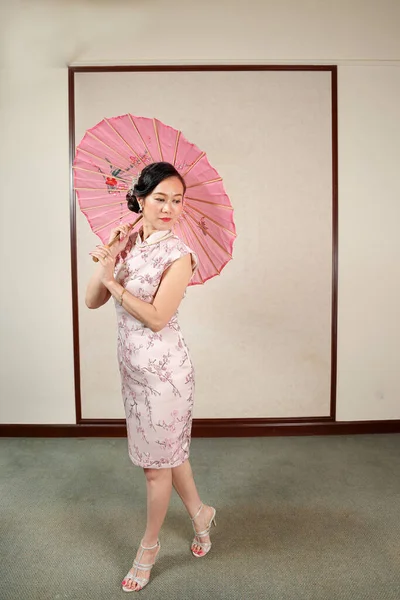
pixel 98 173
pixel 209 202
pixel 106 145
pixel 178 137
pixel 182 232
pixel 140 135
pixel 189 244
pixel 103 205
pixel 200 244
pixel 101 196
pixel 204 182
pixel 194 164
pixel 140 159
pixel 158 139
pixel 100 189
pixel 119 135
pixel 212 220
pixel 213 238
pixel 103 159
pixel 111 222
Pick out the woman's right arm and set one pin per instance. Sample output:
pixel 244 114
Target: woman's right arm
pixel 96 293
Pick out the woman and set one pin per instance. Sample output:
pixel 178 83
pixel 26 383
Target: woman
pixel 147 274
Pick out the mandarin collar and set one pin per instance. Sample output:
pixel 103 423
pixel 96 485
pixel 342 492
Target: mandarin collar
pixel 153 238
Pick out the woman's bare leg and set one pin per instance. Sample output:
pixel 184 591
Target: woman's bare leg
pixel 183 482
pixel 159 487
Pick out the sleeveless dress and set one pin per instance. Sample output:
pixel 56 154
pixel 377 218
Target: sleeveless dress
pixel 157 375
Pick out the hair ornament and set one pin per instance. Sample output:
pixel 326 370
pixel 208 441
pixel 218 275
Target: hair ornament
pixel 135 179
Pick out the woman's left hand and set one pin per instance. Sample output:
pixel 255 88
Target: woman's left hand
pixel 106 263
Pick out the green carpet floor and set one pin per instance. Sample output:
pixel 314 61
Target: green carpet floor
pixel 298 518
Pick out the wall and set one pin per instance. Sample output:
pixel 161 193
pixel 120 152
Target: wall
pixel 259 335
pixel 40 39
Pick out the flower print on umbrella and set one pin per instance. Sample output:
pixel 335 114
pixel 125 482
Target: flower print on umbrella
pixel 111 182
pixel 203 226
pixel 140 159
pixel 183 166
pixel 135 161
pixel 114 188
pixel 115 182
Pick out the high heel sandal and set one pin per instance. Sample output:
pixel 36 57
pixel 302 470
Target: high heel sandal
pixel 142 581
pixel 205 546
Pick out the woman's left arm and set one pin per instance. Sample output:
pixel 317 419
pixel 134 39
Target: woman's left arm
pixel 166 301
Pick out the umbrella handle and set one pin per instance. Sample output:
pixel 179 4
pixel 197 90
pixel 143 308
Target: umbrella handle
pixel 95 259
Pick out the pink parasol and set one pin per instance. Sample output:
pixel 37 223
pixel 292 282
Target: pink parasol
pixel 114 152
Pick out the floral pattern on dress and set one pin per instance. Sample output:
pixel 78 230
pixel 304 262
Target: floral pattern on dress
pixel 157 375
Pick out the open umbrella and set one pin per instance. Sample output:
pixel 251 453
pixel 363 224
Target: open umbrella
pixel 114 152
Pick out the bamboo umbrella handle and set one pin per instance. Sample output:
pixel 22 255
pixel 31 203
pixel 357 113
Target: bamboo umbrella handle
pixel 95 259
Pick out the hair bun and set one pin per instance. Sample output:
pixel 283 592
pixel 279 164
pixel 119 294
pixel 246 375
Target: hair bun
pixel 133 203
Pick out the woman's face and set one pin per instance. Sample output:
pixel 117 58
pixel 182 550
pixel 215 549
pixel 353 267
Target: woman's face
pixel 163 207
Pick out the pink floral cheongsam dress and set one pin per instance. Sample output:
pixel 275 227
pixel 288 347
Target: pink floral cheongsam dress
pixel 157 376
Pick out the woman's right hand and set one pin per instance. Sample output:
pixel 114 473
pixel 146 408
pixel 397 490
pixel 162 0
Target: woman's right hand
pixel 119 245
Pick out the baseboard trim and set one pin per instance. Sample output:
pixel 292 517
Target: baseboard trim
pixel 211 428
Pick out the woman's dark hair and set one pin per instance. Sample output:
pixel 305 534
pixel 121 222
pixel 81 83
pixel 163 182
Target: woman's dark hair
pixel 149 179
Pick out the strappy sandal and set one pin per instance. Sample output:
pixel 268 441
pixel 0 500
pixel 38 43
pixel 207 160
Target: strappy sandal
pixel 205 546
pixel 137 566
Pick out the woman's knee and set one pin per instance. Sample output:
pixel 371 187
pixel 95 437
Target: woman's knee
pixel 155 476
